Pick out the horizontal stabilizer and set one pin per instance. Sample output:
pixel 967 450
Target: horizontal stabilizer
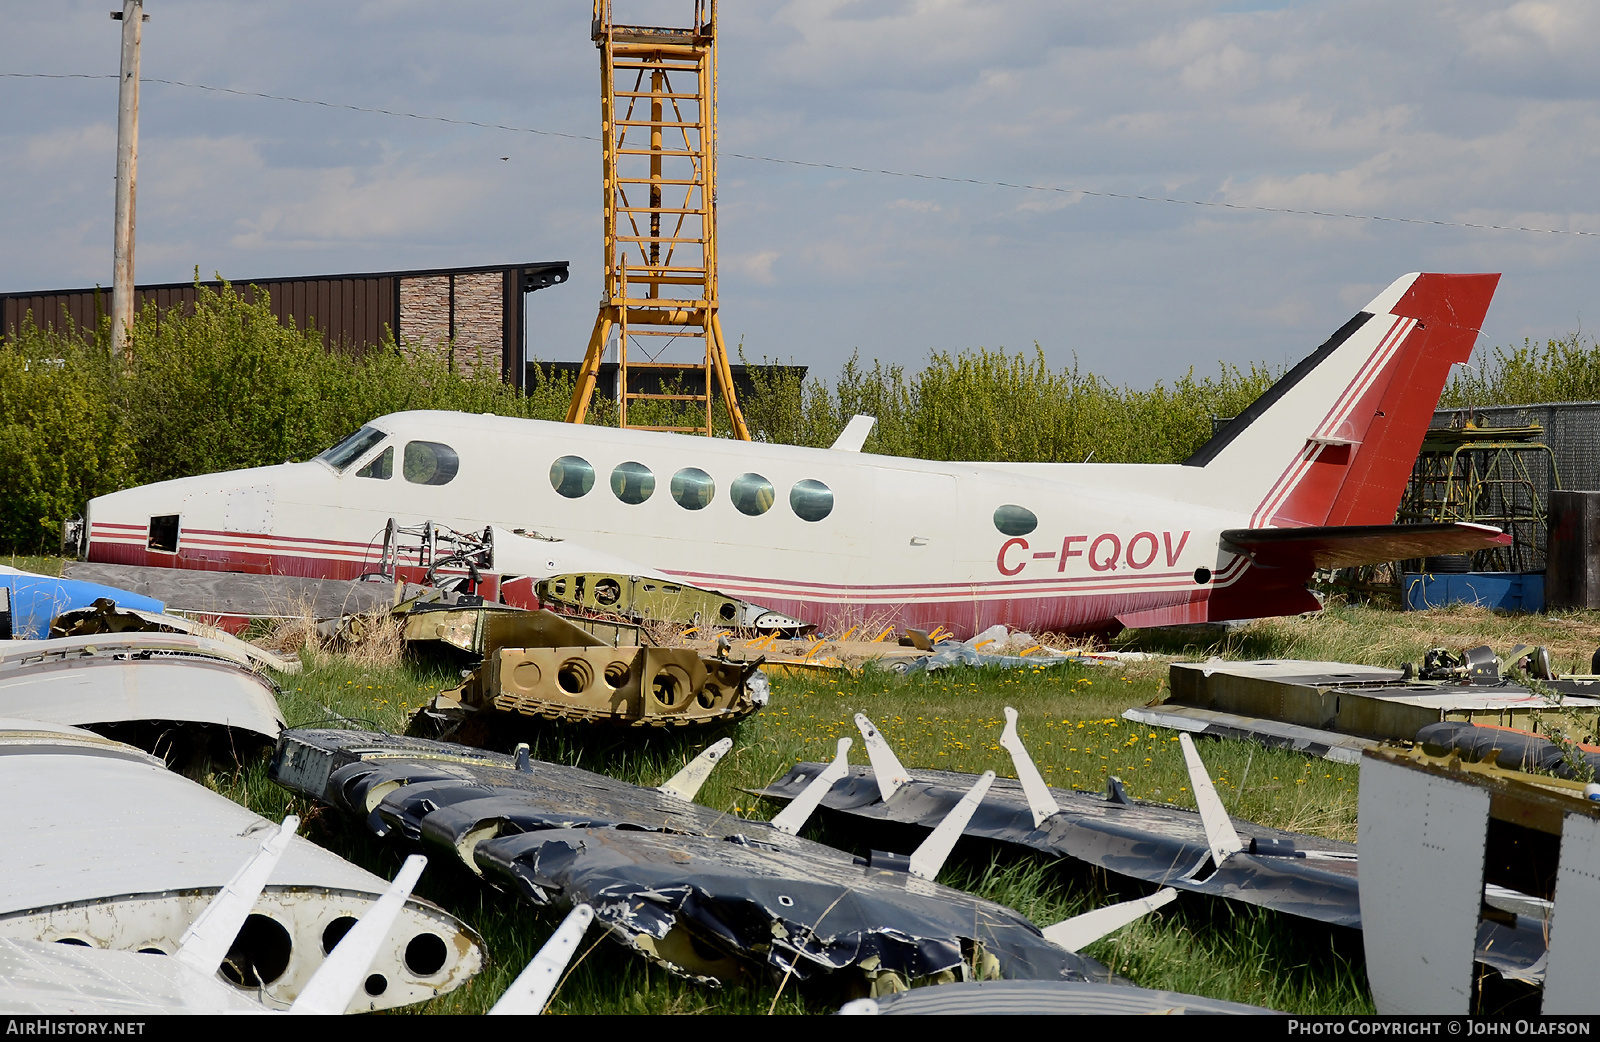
pixel 1344 546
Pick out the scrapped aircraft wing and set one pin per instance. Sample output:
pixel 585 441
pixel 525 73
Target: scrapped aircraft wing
pixel 1343 546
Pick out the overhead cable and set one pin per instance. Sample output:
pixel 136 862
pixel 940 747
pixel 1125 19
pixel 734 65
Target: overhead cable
pixel 1245 207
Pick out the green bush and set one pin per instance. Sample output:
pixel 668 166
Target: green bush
pixel 1562 370
pixel 224 385
pixel 61 439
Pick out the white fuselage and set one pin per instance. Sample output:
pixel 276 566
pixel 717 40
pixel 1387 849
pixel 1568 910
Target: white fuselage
pixel 906 541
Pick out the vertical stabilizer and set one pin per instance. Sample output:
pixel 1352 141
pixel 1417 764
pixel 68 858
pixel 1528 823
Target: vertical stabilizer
pixel 1333 441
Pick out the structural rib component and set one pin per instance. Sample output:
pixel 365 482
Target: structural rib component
pixel 928 858
pixel 686 783
pixel 1040 802
pixel 531 991
pixel 793 817
pixel 205 943
pixel 886 766
pixel 1082 930
pixel 1220 833
pixel 336 982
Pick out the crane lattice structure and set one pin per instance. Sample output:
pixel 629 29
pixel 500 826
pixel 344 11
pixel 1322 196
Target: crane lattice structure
pixel 658 107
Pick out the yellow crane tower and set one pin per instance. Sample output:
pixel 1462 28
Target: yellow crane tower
pixel 658 114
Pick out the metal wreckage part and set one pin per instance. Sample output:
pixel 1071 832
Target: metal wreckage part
pixel 541 665
pixel 707 895
pixel 138 677
pixel 109 849
pixel 646 598
pixel 1204 851
pixel 1298 874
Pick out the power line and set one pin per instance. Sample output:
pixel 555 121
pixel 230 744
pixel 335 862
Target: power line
pixel 1243 207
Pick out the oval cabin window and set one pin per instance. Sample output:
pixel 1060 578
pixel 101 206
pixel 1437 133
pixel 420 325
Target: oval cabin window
pixel 572 476
pixel 632 482
pixel 693 488
pixel 1014 520
pixel 811 500
pixel 429 463
pixel 752 494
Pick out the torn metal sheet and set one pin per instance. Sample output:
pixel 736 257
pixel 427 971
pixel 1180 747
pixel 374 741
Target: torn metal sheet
pixel 1287 871
pixel 1042 998
pixel 105 847
pixel 120 678
pixel 1436 832
pixel 479 630
pixel 104 618
pixel 702 904
pixel 701 891
pixel 1363 700
pixel 646 598
pixel 34 600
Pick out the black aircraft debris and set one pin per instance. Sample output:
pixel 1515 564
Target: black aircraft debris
pixel 1206 852
pixel 702 892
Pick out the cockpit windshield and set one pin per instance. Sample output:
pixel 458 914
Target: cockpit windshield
pixel 352 448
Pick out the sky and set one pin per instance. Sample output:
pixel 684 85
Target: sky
pixel 1461 112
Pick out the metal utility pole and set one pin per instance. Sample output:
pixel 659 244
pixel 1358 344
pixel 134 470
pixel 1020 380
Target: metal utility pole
pixel 132 17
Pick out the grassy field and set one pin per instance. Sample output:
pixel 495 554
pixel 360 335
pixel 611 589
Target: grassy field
pixel 1070 719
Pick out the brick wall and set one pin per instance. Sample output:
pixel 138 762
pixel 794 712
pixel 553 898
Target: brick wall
pixel 425 316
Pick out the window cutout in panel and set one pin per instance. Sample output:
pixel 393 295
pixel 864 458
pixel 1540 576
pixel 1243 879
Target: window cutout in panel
pixel 811 500
pixel 751 494
pixel 164 533
pixel 381 467
pixel 693 488
pixel 632 482
pixel 430 463
pixel 572 476
pixel 1014 520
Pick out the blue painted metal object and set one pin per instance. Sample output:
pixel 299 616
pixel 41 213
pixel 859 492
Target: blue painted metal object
pixel 1505 591
pixel 37 599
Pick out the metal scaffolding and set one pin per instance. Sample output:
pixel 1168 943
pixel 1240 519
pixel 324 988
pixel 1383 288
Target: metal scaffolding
pixel 658 116
pixel 1492 476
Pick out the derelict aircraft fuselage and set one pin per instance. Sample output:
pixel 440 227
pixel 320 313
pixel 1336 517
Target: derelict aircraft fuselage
pixel 1310 475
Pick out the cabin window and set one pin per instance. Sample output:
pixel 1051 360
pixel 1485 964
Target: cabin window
pixel 382 466
pixel 693 488
pixel 632 482
pixel 811 500
pixel 751 494
pixel 1014 520
pixel 352 448
pixel 572 476
pixel 429 463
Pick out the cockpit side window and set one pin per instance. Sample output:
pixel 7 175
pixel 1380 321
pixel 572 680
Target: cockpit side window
pixel 381 467
pixel 430 463
pixel 352 448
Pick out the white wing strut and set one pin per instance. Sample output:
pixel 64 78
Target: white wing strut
pixel 886 768
pixel 1040 801
pixel 686 783
pixel 1220 833
pixel 1082 930
pixel 331 989
pixel 205 943
pixel 854 434
pixel 531 990
pixel 928 858
pixel 793 817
